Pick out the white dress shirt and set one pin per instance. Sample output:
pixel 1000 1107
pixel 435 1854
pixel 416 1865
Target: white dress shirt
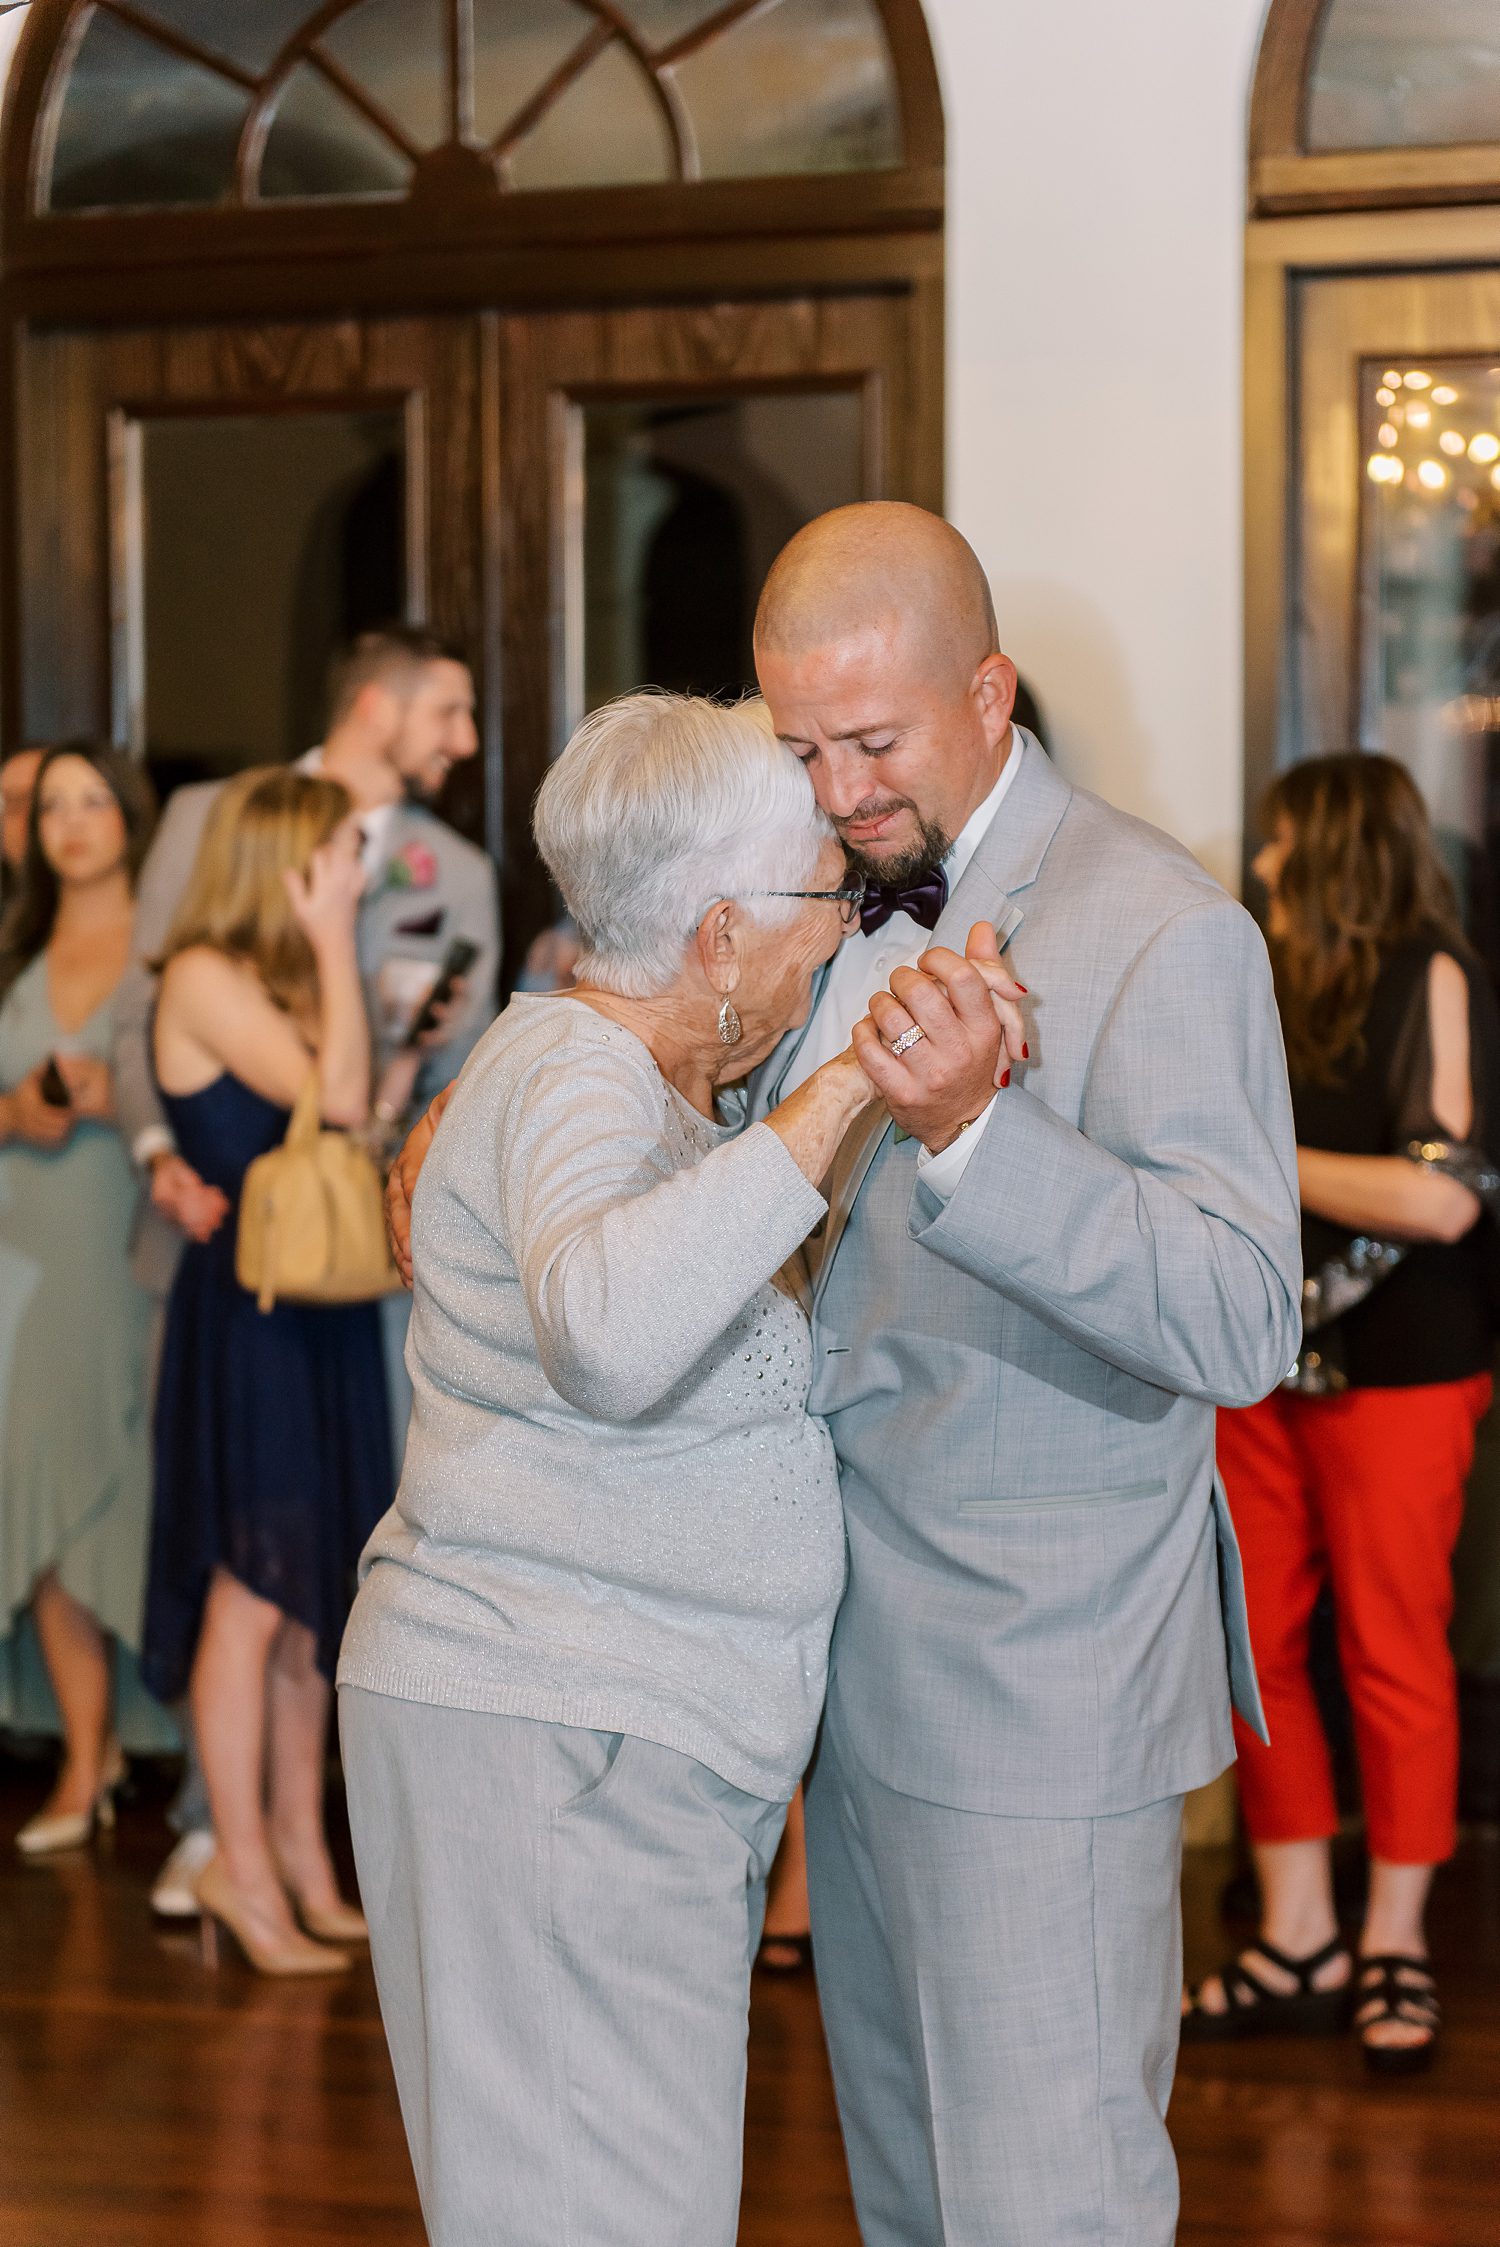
pixel 864 965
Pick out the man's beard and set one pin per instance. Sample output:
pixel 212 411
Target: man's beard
pixel 418 790
pixel 898 873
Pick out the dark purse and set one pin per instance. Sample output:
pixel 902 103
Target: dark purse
pixel 1345 1281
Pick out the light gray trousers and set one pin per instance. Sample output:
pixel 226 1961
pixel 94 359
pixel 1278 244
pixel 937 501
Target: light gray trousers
pixel 1001 1999
pixel 563 1924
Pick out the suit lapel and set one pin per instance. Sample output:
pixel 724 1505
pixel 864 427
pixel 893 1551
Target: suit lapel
pixel 1009 857
pixel 851 1167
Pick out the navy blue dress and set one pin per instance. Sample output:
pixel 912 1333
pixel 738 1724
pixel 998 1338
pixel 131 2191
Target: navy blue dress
pixel 273 1451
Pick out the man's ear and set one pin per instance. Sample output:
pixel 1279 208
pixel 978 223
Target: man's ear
pixel 718 946
pixel 994 692
pixel 377 710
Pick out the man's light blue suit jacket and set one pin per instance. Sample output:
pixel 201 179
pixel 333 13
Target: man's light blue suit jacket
pixel 1045 1606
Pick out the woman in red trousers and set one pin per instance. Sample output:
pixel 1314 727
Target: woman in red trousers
pixel 1352 1475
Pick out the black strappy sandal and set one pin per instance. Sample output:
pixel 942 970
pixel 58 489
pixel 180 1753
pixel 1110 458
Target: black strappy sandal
pixel 1253 2008
pixel 1414 2003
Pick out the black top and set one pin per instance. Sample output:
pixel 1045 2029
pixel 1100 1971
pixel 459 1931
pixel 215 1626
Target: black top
pixel 1432 1319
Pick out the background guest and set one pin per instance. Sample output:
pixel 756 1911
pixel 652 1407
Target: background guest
pixel 18 774
pixel 272 1450
pixel 1392 1033
pixel 401 716
pixel 74 1456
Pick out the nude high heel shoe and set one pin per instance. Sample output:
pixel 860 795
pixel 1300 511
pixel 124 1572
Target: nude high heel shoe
pixel 339 1923
pixel 224 1905
pixel 331 1923
pixel 48 1836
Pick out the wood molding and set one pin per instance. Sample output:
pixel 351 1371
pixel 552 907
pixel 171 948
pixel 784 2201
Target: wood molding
pixel 1375 240
pixel 1283 65
pixel 1376 178
pixel 410 229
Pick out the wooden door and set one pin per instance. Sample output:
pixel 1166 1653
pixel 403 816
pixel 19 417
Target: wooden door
pixel 496 413
pixel 91 406
pixel 755 416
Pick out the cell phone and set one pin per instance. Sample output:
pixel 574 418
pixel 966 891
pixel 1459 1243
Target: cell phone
pixel 457 961
pixel 54 1085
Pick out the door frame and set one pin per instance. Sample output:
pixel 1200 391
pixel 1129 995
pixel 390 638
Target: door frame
pixel 1283 256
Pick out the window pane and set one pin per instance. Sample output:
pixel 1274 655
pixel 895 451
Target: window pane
pixel 1391 74
pixel 319 145
pixel 607 129
pixel 1430 608
pixel 800 86
pixel 251 33
pixel 517 46
pixel 398 51
pixel 687 503
pixel 139 126
pixel 269 541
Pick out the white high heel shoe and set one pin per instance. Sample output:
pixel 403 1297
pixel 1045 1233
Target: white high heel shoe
pixel 44 1836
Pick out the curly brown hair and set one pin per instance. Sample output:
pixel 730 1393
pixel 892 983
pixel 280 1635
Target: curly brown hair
pixel 1362 878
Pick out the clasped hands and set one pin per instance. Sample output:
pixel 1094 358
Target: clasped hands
pixel 28 1115
pixel 967 1009
pixel 967 1012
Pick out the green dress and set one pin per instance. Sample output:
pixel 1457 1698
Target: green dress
pixel 75 1454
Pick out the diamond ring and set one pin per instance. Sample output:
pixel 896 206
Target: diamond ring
pixel 907 1040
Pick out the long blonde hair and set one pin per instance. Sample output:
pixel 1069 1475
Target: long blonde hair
pixel 266 823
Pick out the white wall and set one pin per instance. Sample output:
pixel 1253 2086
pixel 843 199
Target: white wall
pixel 1096 198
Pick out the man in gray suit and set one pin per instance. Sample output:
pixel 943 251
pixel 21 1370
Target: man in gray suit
pixel 1034 1288
pixel 401 715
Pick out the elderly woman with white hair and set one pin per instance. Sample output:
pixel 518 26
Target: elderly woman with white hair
pixel 586 1663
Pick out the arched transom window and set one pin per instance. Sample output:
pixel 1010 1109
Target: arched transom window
pixel 1363 103
pixel 200 102
pixel 1391 74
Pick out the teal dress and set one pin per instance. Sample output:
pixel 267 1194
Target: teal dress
pixel 75 1449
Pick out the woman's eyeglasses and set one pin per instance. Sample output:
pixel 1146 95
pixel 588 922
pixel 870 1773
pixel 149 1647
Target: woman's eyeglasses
pixel 850 899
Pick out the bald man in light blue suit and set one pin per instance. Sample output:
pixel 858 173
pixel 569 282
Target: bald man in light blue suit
pixel 1027 1303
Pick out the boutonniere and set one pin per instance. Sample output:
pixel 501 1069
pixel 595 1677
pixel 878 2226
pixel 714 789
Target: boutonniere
pixel 414 866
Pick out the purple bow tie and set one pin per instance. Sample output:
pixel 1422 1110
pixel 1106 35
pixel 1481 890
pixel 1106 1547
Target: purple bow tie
pixel 923 899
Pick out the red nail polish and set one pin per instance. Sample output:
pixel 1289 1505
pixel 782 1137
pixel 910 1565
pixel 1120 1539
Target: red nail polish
pixel 1005 1080
pixel 1025 1053
pixel 1023 990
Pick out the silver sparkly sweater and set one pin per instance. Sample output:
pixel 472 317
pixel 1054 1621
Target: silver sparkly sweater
pixel 614 1509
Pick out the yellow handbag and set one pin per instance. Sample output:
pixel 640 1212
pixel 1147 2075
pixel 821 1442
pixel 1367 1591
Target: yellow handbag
pixel 312 1218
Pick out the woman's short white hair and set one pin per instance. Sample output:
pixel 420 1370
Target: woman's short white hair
pixel 660 804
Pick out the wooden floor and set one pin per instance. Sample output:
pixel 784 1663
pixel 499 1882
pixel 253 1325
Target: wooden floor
pixel 146 2101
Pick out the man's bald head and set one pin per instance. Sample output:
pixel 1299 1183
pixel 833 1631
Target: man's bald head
pixel 876 649
pixel 887 568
